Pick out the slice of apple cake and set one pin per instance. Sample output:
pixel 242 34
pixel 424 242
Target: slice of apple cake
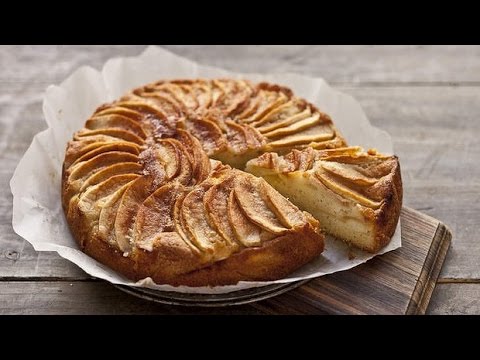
pixel 356 195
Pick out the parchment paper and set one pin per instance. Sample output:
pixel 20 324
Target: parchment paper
pixel 37 213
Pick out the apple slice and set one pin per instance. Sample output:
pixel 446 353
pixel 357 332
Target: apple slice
pixel 182 94
pixel 91 203
pixel 269 100
pixel 288 214
pixel 237 137
pixel 80 174
pixel 348 173
pixel 317 133
pixel 303 160
pixel 246 89
pixel 196 223
pixel 250 107
pixel 91 200
pixel 109 171
pixel 121 146
pixel 167 154
pixel 268 163
pixel 78 148
pixel 155 215
pixel 282 112
pixel 112 132
pixel 195 93
pixel 117 110
pixel 165 101
pixel 115 121
pixel 216 204
pixel 235 98
pixel 368 163
pixel 215 116
pixel 200 160
pixel 143 108
pixel 379 167
pixel 132 198
pixel 85 168
pixel 208 133
pixel 168 161
pixel 95 230
pixel 284 122
pixel 180 228
pixel 203 94
pixel 185 167
pixel 272 164
pixel 295 127
pixel 334 185
pixel 218 92
pixel 108 214
pixel 159 120
pixel 254 139
pixel 347 152
pixel 247 233
pixel 248 194
pixel 335 142
pixel 95 139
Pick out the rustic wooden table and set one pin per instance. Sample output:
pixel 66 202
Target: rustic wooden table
pixel 427 98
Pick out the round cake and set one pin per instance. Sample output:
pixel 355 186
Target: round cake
pixel 154 184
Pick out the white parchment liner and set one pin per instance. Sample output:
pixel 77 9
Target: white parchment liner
pixel 37 212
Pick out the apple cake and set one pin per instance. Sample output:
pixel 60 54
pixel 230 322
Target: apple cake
pixel 154 184
pixel 356 195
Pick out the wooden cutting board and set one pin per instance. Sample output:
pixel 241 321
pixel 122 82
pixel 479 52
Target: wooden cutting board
pixel 399 282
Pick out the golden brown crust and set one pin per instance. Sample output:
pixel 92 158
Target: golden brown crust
pixel 386 218
pixel 275 260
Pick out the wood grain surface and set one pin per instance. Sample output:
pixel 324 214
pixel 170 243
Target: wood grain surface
pixel 426 97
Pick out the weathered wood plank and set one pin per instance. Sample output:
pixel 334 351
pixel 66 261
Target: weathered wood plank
pixel 86 297
pixel 455 299
pixel 337 64
pixel 40 64
pixel 348 64
pixel 457 206
pixel 97 298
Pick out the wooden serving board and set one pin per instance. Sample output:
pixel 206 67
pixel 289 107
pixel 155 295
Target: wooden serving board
pixel 399 282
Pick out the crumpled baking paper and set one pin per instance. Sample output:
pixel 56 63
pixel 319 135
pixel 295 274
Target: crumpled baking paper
pixel 37 212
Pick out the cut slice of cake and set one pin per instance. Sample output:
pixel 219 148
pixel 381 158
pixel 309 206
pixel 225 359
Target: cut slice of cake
pixel 356 195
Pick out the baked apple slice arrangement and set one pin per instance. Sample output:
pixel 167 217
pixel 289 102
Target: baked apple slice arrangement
pixel 153 185
pixel 356 195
